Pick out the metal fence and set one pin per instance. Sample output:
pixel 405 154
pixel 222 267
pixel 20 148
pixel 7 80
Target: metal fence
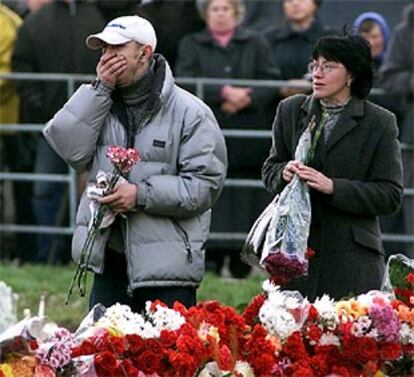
pixel 71 178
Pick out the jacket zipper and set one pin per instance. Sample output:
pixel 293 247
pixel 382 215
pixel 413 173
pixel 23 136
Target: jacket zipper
pixel 186 241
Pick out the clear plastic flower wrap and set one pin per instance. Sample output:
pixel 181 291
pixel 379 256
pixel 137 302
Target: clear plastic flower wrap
pixel 278 241
pixel 283 312
pixel 8 307
pixel 399 278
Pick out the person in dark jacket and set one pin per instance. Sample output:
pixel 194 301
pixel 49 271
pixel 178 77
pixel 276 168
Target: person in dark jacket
pixel 374 28
pixel 167 17
pixel 52 40
pixel 398 79
pixel 224 49
pixel 292 43
pixel 356 173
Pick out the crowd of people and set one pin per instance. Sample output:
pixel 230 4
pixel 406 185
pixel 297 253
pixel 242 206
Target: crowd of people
pixel 227 39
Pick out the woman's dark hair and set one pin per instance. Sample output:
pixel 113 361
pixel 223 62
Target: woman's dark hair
pixel 354 52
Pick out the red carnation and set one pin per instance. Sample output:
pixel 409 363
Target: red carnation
pixel 294 347
pixel 314 333
pixel 370 368
pixel 313 314
pixel 154 345
pixel 263 364
pixel 116 344
pixel 180 308
pixel 155 303
pixel 366 349
pixel 168 338
pixel 319 364
pixel 410 278
pixel 149 361
pixel 105 363
pixel 303 371
pixel 389 351
pixel 125 368
pixel 340 371
pixel 225 358
pixel 86 348
pixel 134 343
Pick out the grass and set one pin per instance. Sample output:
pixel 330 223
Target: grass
pixel 31 281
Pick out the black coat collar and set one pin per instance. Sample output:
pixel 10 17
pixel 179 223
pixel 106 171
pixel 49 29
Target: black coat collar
pixel 347 121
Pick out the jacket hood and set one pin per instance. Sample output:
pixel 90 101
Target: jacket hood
pixel 380 20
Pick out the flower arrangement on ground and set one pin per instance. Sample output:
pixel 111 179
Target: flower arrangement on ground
pixel 279 334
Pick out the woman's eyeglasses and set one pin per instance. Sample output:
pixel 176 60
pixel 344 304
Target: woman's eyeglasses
pixel 325 68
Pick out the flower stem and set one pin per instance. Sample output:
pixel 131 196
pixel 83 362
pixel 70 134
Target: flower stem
pixel 80 276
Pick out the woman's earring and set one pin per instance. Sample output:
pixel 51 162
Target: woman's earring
pixel 348 83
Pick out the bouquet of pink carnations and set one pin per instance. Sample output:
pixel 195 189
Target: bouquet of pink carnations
pixel 123 160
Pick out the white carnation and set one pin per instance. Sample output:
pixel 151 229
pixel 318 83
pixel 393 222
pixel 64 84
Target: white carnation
pixel 244 368
pixel 407 334
pixel 329 339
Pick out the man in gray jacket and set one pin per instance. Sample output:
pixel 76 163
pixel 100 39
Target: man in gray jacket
pixel 156 249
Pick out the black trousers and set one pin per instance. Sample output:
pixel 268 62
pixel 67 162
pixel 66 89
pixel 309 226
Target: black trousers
pixel 112 286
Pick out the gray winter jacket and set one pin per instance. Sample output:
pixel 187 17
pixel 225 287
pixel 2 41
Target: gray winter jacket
pixel 180 176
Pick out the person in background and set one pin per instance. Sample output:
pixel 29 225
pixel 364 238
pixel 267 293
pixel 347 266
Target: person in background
pixel 156 249
pixel 12 155
pixel 225 49
pixel 167 18
pixel 397 77
pixel 292 44
pixel 374 28
pixel 260 14
pixel 115 8
pixel 52 40
pixel 355 175
pixel 24 7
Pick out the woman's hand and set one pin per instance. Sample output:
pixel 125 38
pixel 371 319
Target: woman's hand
pixel 315 179
pixel 290 169
pixel 236 99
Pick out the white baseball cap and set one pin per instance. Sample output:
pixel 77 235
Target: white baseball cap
pixel 122 30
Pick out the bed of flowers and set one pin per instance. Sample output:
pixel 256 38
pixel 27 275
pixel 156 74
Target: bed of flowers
pixel 278 334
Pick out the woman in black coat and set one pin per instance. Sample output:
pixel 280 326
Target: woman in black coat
pixel 226 50
pixel 356 174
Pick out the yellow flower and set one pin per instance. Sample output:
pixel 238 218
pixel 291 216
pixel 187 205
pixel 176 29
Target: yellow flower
pixel 350 309
pixel 6 370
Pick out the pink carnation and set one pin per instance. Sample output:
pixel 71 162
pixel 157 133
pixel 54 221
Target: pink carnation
pixel 123 159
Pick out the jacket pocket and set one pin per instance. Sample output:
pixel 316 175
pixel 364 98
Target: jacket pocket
pixel 186 239
pixel 367 239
